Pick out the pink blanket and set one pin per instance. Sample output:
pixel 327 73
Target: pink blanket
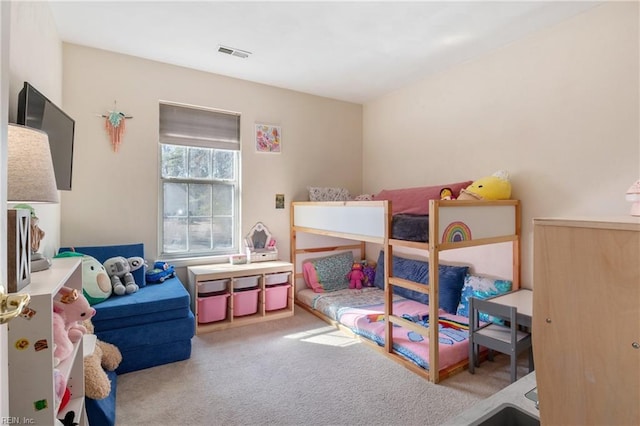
pixel 368 321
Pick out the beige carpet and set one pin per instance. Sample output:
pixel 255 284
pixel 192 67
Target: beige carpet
pixel 296 371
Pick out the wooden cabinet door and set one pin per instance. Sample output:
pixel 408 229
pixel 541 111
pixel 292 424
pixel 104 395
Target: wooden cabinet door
pixel 586 324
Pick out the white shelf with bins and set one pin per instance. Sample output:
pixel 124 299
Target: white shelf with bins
pixel 30 351
pixel 233 273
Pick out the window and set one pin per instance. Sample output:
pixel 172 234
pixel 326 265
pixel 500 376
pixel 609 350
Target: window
pixel 199 180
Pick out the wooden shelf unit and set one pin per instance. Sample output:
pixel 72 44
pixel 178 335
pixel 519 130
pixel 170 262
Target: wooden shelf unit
pixel 223 271
pixel 30 346
pixel 586 322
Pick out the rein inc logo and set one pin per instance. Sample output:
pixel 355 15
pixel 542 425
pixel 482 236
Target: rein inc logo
pixel 15 420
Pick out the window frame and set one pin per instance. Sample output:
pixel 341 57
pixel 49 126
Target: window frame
pixel 234 183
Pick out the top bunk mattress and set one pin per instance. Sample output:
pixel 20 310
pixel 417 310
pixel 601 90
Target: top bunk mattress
pixel 410 227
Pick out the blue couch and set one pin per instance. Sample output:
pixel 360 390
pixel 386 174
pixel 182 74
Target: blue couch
pixel 151 327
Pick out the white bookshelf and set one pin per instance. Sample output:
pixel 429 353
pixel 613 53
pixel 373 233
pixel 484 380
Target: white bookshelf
pixel 30 344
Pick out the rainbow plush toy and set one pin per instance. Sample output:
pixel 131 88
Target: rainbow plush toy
pixel 494 187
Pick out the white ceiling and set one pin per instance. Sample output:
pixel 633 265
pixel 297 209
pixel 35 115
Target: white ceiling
pixel 352 51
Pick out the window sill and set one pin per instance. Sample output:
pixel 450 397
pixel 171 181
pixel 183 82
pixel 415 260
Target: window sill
pixel 196 261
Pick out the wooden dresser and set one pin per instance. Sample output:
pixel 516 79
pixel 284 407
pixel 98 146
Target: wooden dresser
pixel 586 320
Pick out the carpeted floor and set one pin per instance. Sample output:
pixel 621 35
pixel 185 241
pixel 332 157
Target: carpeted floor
pixel 296 371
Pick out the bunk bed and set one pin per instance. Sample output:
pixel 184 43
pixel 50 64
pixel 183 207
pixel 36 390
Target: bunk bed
pixel 455 223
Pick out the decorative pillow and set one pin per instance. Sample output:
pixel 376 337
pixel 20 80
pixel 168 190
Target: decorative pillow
pixel 481 288
pixel 450 279
pixel 328 194
pixel 325 274
pixel 416 200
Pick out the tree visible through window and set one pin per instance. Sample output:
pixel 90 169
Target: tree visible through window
pixel 199 180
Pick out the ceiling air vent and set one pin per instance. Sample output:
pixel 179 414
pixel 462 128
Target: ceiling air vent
pixel 234 52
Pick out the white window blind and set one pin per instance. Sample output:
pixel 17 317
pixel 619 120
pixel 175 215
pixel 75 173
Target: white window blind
pixel 183 125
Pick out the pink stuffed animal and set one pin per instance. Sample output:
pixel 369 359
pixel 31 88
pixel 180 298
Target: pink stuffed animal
pixel 63 347
pixel 356 276
pixel 69 310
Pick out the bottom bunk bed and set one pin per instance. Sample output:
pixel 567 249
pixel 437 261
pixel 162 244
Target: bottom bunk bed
pixel 395 316
pixel 361 312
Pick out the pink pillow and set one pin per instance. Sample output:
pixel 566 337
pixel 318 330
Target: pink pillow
pixel 416 200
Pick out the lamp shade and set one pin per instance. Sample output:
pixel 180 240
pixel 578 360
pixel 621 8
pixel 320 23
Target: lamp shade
pixel 30 175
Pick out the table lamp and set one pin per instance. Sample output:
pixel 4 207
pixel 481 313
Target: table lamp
pixel 30 179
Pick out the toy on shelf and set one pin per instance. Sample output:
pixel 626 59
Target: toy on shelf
pixel 119 270
pixel 70 308
pixel 261 246
pixel 494 187
pixel 633 196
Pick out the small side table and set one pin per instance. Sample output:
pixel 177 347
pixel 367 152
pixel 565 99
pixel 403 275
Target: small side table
pixel 523 300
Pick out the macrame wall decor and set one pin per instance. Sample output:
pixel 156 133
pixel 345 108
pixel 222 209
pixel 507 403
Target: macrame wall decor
pixel 114 124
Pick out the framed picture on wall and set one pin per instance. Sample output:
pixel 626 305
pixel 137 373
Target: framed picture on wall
pixel 268 138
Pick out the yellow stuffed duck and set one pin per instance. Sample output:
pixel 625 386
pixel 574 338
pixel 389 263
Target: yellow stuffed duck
pixel 494 187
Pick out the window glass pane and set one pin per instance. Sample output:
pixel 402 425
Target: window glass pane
pixel 222 200
pixel 200 234
pixel 224 165
pixel 175 200
pixel 200 163
pixel 174 235
pixel 200 200
pixel 174 161
pixel 223 232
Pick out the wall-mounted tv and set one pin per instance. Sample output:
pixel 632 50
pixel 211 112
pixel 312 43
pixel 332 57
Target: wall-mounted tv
pixel 37 111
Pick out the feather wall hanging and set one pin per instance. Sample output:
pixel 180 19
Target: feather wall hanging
pixel 114 124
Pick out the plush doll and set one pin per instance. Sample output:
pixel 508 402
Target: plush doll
pixel 446 194
pixel 70 308
pixel 494 187
pixel 105 356
pixel 96 285
pixel 119 270
pixel 369 271
pixel 74 308
pixel 62 345
pixel 356 276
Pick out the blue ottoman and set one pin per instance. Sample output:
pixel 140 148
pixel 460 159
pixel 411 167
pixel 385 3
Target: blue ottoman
pixel 151 327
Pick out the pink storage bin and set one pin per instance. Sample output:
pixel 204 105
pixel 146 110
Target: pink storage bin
pixel 245 302
pixel 212 308
pixel 276 297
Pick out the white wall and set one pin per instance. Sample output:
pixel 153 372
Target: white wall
pixel 115 195
pixel 30 51
pixel 35 55
pixel 559 110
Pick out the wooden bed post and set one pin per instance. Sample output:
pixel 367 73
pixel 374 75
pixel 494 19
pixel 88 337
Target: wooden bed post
pixel 517 248
pixel 388 272
pixel 434 349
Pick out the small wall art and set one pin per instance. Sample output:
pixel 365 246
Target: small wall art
pixel 268 138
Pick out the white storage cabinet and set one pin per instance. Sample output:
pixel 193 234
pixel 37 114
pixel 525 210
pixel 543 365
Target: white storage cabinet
pixel 32 397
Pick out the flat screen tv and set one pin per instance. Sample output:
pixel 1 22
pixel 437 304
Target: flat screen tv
pixel 37 111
